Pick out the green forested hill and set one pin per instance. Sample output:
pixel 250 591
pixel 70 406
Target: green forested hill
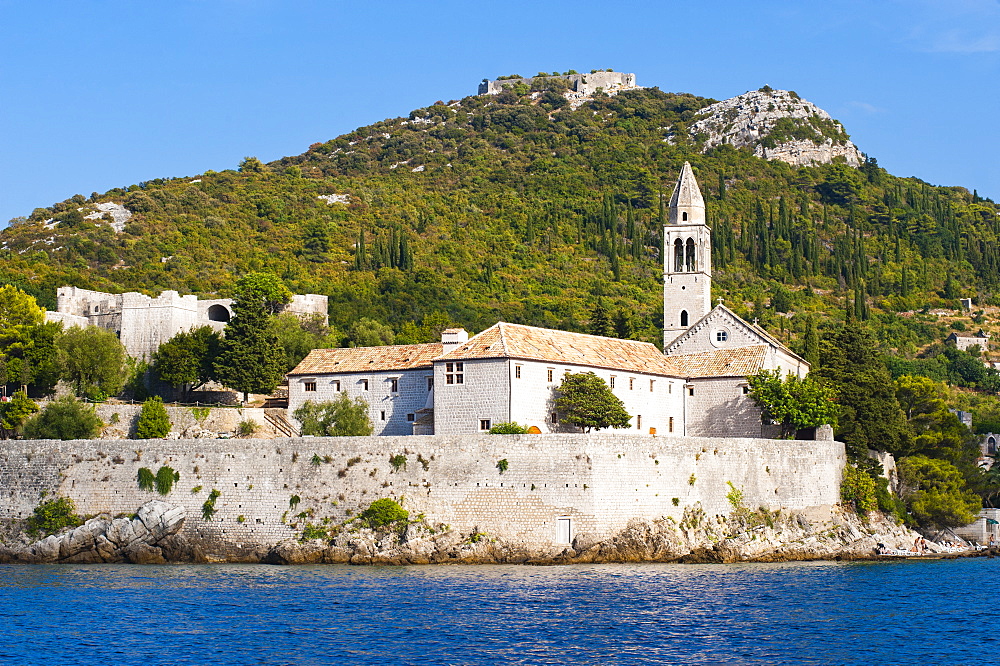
pixel 520 208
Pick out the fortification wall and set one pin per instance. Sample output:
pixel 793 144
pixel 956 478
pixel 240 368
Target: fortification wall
pixel 599 482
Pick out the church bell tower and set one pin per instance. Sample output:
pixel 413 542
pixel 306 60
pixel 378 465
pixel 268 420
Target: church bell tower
pixel 687 259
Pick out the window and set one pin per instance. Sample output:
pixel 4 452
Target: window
pixel 631 383
pixel 410 417
pixel 364 384
pixel 651 383
pixel 336 385
pixel 690 390
pixel 612 382
pixel 517 372
pixel 484 424
pixel 383 416
pixel 746 390
pixel 638 422
pixel 430 383
pixel 395 386
pixel 453 373
pixel 310 386
pixel 554 418
pixel 684 217
pixel 549 371
pixel 684 317
pixel 670 387
pixel 721 336
pixel 692 264
pixel 670 424
pixel 678 255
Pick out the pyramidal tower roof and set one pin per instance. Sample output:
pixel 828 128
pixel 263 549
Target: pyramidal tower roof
pixel 686 192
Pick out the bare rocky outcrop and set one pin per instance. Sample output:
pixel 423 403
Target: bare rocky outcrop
pixel 777 125
pixel 105 539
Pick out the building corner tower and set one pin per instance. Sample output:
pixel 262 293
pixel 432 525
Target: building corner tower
pixel 687 259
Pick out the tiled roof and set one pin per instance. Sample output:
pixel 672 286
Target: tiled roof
pixel 736 362
pixel 503 340
pixel 365 359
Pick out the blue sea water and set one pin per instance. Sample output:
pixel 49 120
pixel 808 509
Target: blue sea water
pixel 803 613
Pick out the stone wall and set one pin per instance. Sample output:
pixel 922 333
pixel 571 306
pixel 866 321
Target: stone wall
pixel 585 84
pixel 598 482
pixel 189 422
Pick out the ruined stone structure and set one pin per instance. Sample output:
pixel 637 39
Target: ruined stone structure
pixel 510 372
pixel 144 323
pixel 555 489
pixel 584 84
pixel 980 339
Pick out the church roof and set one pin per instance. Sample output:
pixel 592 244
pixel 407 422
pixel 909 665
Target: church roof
pixel 758 331
pixel 503 340
pixel 735 362
pixel 686 192
pixel 368 359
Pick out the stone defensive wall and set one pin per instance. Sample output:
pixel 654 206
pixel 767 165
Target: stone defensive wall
pixel 596 482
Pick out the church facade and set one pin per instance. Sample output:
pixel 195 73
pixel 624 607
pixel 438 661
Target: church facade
pixel 510 372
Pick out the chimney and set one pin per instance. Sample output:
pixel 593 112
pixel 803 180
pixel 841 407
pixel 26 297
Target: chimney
pixel 451 338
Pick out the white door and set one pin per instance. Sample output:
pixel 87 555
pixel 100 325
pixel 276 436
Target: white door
pixel 564 530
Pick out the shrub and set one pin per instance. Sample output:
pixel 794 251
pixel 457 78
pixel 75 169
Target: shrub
pixel 397 461
pixel 509 428
pixel 311 531
pixel 293 501
pixel 52 516
pixel 63 418
pixel 383 512
pixel 338 418
pixel 502 465
pixel 153 423
pixel 858 490
pixel 247 428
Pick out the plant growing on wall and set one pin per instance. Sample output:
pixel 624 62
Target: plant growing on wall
pixel 383 512
pixel 502 465
pixel 397 461
pixel 153 420
pixel 247 428
pixel 584 400
pixel 146 478
pixel 50 517
pixel 165 479
pixel 208 508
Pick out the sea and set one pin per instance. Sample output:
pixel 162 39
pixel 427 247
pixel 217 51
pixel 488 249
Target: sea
pixel 905 612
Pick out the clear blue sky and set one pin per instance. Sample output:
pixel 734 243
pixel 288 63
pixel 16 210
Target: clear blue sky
pixel 96 94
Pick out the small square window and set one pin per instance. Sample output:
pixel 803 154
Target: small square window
pixel 459 366
pixel 638 422
pixel 484 424
pixel 335 384
pixel 721 336
pixel 459 379
pixel 383 416
pixel 430 383
pixel 410 417
pixel 449 379
pixel 651 383
pixel 554 418
pixel 670 424
pixel 612 381
pixel 690 390
pixel 364 384
pixel 517 372
pixel 449 367
pixel 746 390
pixel 395 386
pixel 310 386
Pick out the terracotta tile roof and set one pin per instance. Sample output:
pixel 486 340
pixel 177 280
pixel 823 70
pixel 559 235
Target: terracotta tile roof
pixel 737 362
pixel 367 359
pixel 503 340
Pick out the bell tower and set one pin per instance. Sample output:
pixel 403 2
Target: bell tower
pixel 687 259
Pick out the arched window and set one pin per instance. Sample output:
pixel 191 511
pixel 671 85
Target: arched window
pixel 991 445
pixel 678 255
pixel 218 313
pixel 691 263
pixel 684 317
pixel 684 217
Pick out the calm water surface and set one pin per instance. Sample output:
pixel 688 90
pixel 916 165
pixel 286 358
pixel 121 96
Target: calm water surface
pixel 822 613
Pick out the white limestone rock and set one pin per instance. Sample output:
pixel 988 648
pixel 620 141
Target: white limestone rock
pixel 748 120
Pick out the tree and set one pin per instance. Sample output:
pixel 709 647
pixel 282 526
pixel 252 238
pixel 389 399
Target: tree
pixel 298 335
pixel 584 400
pixel 600 322
pixel 791 402
pixel 63 418
pixel 14 413
pixel 27 351
pixel 870 416
pixel 341 417
pixel 93 360
pixel 153 420
pixel 935 492
pixel 250 358
pixel 369 333
pixel 188 358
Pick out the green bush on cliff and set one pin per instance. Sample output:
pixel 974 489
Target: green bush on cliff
pixel 63 418
pixel 383 512
pixel 145 478
pixel 50 517
pixel 857 490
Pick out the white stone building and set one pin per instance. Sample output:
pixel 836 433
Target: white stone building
pixel 143 323
pixel 510 372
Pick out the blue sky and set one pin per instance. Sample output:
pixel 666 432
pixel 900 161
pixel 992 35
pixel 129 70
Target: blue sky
pixel 96 94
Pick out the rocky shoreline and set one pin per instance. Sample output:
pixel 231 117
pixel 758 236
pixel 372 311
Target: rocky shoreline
pixel 154 535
